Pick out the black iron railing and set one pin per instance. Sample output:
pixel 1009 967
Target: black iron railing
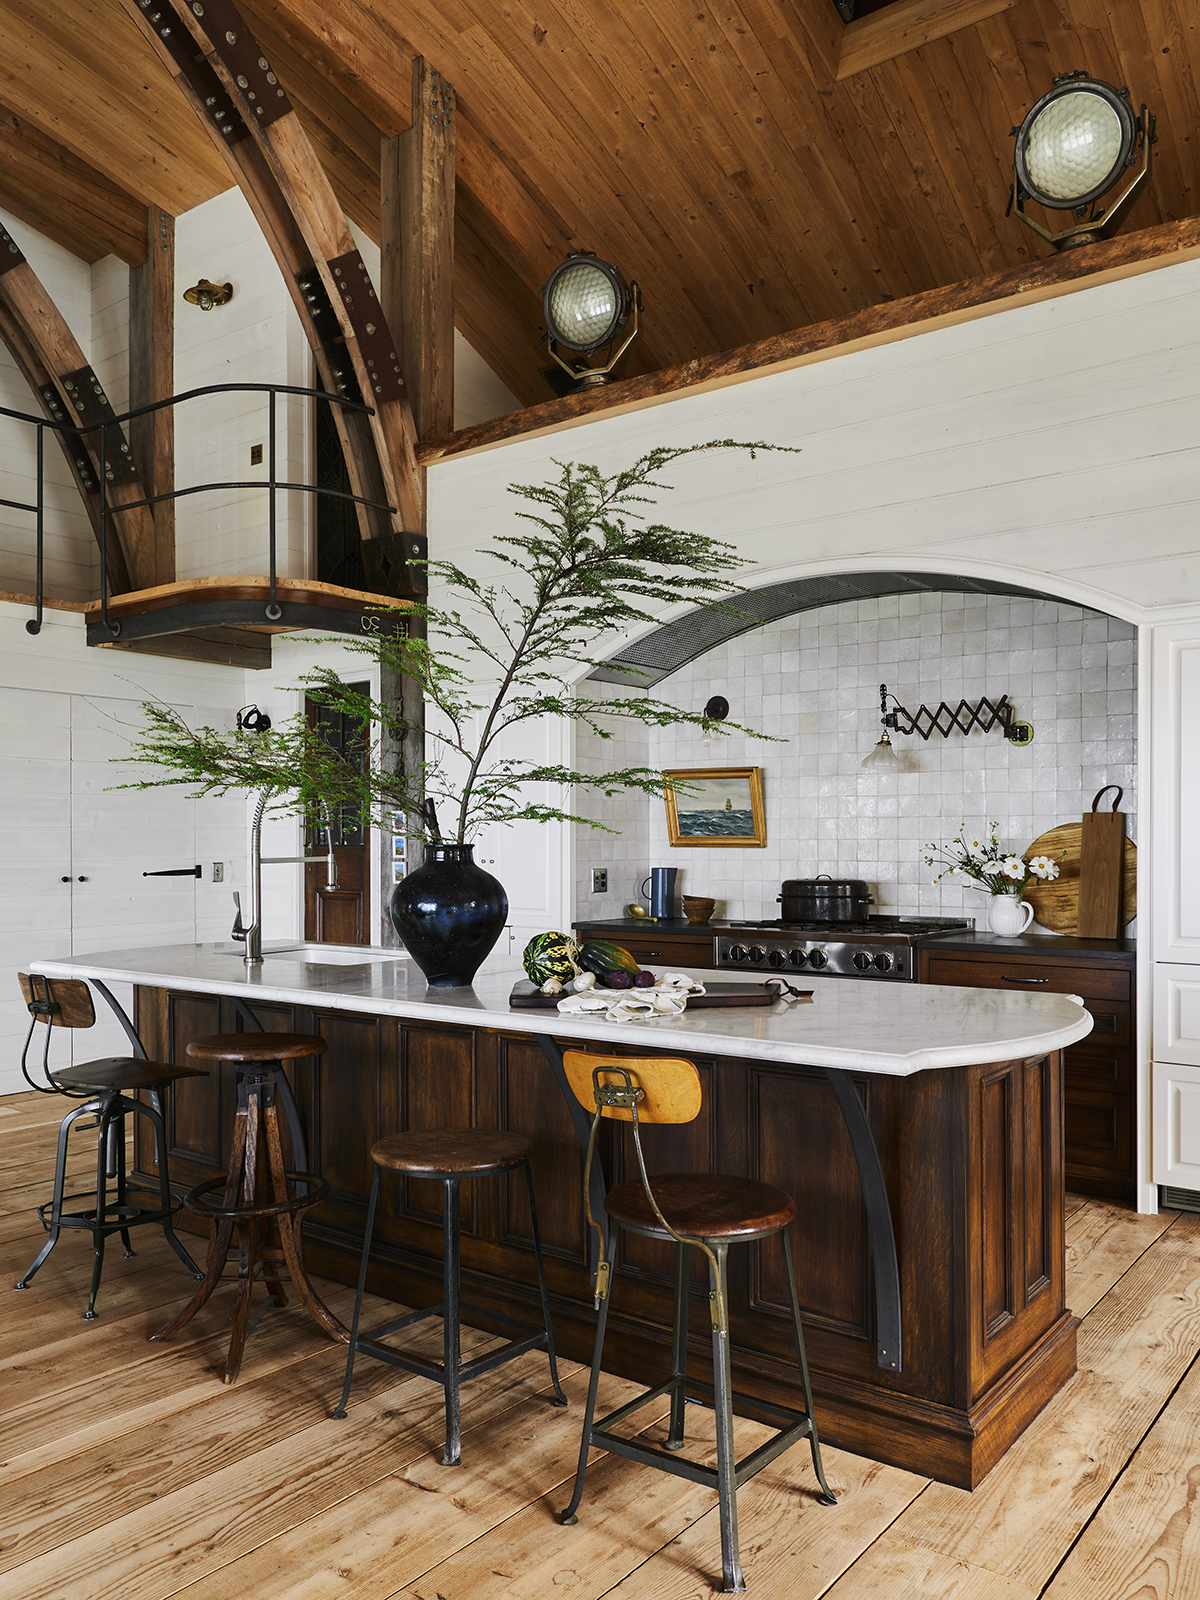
pixel 104 433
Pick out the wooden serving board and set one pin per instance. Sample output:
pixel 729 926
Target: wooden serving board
pixel 527 997
pixel 1056 905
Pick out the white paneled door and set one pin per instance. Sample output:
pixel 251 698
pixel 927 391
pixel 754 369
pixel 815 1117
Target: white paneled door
pixel 79 844
pixel 35 909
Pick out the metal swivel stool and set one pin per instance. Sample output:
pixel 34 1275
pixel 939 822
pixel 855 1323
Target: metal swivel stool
pixel 258 1197
pixel 704 1212
pixel 450 1155
pixel 106 1089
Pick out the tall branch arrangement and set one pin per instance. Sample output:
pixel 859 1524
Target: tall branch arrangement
pixel 589 562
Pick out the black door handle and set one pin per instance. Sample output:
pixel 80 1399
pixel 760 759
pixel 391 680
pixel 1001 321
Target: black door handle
pixel 177 872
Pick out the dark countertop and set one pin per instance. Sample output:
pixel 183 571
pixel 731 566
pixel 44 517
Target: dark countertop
pixel 1036 944
pixel 978 941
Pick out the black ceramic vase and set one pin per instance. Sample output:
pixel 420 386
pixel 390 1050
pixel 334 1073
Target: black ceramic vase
pixel 449 913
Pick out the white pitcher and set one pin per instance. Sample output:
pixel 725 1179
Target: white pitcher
pixel 1009 916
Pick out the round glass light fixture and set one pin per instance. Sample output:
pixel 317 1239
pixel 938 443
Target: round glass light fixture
pixel 1072 148
pixel 207 295
pixel 883 755
pixel 586 304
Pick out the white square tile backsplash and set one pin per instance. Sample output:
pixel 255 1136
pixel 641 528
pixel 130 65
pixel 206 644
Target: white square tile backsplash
pixel 813 681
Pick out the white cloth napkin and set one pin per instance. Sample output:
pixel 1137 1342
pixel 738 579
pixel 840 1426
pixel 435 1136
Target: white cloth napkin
pixel 668 998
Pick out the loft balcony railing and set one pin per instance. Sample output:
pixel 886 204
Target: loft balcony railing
pixel 111 448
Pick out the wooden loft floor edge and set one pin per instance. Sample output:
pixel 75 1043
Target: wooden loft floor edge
pixel 1086 268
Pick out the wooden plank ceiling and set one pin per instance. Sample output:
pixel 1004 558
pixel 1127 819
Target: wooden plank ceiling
pixel 757 169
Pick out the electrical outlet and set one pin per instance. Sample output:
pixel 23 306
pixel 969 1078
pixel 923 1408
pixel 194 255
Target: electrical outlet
pixel 218 872
pixel 599 880
pixel 256 455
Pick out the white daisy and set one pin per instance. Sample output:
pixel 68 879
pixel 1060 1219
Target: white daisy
pixel 1042 867
pixel 1013 867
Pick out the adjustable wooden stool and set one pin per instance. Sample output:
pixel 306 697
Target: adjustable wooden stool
pixel 107 1089
pixel 706 1212
pixel 450 1155
pixel 259 1198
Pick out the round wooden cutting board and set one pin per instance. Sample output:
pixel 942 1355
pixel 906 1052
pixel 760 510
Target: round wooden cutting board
pixel 1056 905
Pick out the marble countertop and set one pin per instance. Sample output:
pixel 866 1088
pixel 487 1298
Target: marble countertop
pixel 897 1029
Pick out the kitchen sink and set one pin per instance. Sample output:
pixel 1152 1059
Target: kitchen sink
pixel 333 955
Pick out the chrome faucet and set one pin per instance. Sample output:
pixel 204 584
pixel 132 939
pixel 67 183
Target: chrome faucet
pixel 251 932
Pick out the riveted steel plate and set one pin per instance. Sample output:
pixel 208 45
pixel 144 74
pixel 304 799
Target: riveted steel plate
pixel 196 70
pixel 10 251
pixel 89 404
pixel 263 97
pixel 370 329
pixel 329 332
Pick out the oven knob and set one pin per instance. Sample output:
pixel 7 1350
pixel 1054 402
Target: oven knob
pixel 884 962
pixel 776 958
pixel 757 953
pixel 818 959
pixel 862 960
pixel 736 952
pixel 797 957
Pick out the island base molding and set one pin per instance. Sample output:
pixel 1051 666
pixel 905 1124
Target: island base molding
pixel 972 1159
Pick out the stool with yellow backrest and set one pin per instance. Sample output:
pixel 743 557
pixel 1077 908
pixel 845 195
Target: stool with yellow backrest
pixel 707 1212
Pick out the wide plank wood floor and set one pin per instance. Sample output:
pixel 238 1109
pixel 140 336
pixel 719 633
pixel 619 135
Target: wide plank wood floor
pixel 128 1471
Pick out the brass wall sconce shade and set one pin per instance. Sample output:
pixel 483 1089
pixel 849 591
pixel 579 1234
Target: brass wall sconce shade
pixel 586 303
pixel 943 720
pixel 207 295
pixel 1072 148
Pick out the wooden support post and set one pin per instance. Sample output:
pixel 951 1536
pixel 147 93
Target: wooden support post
pixel 417 245
pixel 152 378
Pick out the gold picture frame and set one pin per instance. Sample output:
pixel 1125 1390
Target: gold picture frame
pixel 699 799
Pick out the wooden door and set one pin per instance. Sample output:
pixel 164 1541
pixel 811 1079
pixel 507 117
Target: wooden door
pixel 341 915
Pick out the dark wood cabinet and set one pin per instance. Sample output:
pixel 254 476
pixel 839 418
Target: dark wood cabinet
pixel 972 1158
pixel 684 945
pixel 1099 1083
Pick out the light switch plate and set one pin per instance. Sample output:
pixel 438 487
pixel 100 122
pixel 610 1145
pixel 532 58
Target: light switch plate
pixel 218 872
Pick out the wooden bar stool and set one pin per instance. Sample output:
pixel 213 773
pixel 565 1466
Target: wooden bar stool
pixel 107 1090
pixel 450 1155
pixel 258 1198
pixel 706 1212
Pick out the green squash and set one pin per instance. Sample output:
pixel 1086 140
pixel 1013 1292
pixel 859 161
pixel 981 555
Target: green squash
pixel 550 955
pixel 602 956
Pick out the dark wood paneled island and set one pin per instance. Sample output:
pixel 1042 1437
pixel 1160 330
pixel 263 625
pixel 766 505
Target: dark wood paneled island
pixel 962 1090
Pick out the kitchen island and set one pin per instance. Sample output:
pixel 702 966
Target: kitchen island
pixel 961 1089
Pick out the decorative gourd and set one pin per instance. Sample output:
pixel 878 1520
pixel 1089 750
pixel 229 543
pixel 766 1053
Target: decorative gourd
pixel 601 956
pixel 549 955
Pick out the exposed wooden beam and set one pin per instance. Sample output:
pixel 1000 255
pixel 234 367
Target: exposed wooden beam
pixel 230 84
pixel 152 378
pixel 1124 257
pixel 417 242
pixel 64 198
pixel 896 29
pixel 69 391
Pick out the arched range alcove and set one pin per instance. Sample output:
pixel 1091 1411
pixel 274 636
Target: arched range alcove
pixel 801 660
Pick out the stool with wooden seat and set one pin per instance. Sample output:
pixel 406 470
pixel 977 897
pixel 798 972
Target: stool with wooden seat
pixel 107 1091
pixel 707 1212
pixel 258 1197
pixel 450 1155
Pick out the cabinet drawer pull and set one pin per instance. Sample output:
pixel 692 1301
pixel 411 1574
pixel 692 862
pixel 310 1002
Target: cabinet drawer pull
pixel 1007 979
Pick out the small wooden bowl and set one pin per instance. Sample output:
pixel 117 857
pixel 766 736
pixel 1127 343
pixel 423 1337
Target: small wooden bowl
pixel 696 909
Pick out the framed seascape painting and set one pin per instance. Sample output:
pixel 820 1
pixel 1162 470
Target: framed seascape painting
pixel 716 805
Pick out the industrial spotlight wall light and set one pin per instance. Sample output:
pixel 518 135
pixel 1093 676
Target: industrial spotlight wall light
pixel 586 303
pixel 1073 147
pixel 207 295
pixel 943 720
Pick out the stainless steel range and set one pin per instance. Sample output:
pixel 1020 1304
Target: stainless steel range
pixel 877 947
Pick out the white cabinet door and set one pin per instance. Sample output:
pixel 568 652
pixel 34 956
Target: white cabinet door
pixel 1177 1014
pixel 1175 781
pixel 1176 1095
pixel 35 909
pixel 117 834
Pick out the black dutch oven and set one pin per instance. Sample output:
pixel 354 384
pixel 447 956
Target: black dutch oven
pixel 825 899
